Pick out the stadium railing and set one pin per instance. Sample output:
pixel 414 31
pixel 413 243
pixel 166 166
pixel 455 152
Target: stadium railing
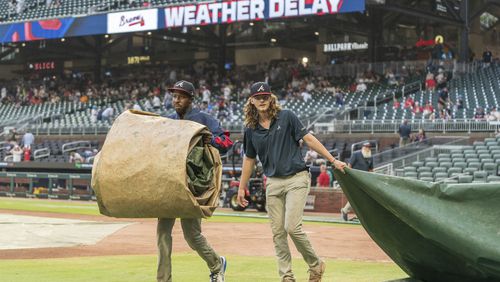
pixel 445 126
pixel 390 156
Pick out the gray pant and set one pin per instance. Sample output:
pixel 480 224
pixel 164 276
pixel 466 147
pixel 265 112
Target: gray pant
pixel 191 227
pixel 286 199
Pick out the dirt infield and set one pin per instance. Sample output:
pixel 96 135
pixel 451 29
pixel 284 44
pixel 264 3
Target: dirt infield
pixel 247 239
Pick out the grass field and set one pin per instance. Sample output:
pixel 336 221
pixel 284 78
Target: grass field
pixel 186 267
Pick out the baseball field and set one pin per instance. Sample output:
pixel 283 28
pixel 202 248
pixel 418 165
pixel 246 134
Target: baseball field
pixel 49 240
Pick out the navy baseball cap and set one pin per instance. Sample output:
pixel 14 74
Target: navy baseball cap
pixel 260 88
pixel 183 86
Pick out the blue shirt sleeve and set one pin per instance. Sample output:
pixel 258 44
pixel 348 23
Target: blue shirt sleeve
pixel 248 145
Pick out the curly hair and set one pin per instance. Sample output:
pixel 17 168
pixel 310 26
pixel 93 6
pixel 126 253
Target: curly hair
pixel 252 115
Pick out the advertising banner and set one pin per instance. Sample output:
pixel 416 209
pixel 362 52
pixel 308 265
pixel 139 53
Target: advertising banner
pixel 51 29
pixel 133 21
pixel 250 10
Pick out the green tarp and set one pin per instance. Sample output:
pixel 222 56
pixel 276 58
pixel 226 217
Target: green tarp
pixel 434 232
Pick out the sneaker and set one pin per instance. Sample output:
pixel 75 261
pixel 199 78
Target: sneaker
pixel 219 276
pixel 315 273
pixel 343 215
pixel 288 279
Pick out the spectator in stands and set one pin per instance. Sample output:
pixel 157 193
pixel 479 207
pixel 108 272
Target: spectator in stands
pixel 460 103
pixel 89 154
pixel 306 96
pixel 409 103
pixel 339 97
pixel 417 109
pixel 428 110
pixel 11 136
pixel 443 99
pixel 16 152
pixel 404 133
pixel 93 114
pixel 391 78
pixel 494 115
pixel 27 154
pixel 323 179
pixel 206 94
pixel 156 102
pixel 311 157
pixel 361 160
pixel 395 104
pixel 167 100
pixel 420 136
pixel 28 140
pixel 441 79
pixel 487 58
pixel 136 106
pixel 19 6
pixel 430 83
pixel 74 157
pixel 479 115
pixel 108 114
pixel 361 86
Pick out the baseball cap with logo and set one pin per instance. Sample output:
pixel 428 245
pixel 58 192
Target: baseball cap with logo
pixel 183 86
pixel 260 88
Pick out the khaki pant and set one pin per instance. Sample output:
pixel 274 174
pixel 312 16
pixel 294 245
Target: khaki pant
pixel 347 208
pixel 403 141
pixel 285 200
pixel 192 233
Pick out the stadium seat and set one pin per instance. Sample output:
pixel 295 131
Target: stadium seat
pixel 480 176
pixel 465 178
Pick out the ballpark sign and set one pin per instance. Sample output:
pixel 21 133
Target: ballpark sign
pixel 254 10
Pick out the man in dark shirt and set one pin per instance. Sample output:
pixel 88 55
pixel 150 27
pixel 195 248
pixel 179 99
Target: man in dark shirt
pixel 183 94
pixel 404 133
pixel 273 135
pixel 487 55
pixel 361 160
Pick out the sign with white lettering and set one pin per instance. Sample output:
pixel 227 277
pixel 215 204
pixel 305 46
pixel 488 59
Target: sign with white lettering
pixel 139 20
pixel 254 10
pixel 342 47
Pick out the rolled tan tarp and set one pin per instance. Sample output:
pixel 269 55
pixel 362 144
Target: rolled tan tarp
pixel 140 171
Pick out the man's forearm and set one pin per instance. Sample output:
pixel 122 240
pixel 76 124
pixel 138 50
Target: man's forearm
pixel 246 171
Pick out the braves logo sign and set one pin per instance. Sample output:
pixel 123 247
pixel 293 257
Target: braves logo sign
pixel 132 21
pixel 135 20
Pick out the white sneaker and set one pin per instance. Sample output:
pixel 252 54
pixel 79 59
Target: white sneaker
pixel 219 276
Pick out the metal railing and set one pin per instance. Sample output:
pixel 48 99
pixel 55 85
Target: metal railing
pixel 390 155
pixel 372 126
pixel 76 145
pixel 68 130
pixel 41 153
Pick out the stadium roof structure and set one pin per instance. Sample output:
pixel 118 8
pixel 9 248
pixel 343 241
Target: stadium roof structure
pixel 95 38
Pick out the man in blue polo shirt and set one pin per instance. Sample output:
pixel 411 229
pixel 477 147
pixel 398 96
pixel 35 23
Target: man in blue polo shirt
pixel 273 135
pixel 183 94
